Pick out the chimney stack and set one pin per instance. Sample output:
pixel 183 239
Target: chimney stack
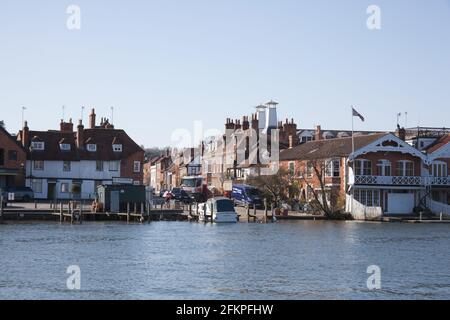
pixel 291 142
pixel 401 133
pixel 80 135
pixel 92 117
pixel 66 126
pixel 26 135
pixel 245 123
pixel 318 134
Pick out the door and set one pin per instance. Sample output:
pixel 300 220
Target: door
pixel 51 191
pixel 115 202
pixel 401 203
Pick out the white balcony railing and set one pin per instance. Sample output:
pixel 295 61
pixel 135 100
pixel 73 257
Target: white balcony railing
pixel 402 181
pixel 389 180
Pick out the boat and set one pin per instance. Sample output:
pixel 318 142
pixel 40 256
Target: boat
pixel 217 210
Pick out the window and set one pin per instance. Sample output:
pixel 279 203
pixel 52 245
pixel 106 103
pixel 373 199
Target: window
pixel 65 187
pixel 363 167
pixel 99 166
pixel 12 155
pixel 306 139
pixel 92 147
pixel 369 198
pixel 64 147
pixel 333 168
pixel 137 167
pixel 37 145
pixel 38 165
pixel 117 147
pixel 439 169
pixel 66 166
pixel 292 168
pixel 36 185
pixel 384 168
pixel 405 168
pixel 114 165
pixel 2 157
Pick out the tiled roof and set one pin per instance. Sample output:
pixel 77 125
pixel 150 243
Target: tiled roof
pixel 438 144
pixel 103 138
pixel 322 149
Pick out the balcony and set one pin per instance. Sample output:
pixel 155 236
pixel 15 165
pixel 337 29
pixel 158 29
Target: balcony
pixel 402 181
pixel 389 180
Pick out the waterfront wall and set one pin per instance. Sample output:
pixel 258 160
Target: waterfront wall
pixel 362 212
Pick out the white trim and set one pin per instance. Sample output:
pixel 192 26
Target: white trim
pixel 377 146
pixel 443 152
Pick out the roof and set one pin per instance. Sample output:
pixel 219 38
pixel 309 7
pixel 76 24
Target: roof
pixel 335 133
pixel 323 149
pixel 9 136
pixel 104 139
pixel 438 144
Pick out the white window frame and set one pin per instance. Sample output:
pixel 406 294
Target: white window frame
pixel 291 168
pixel 99 164
pixel 91 147
pixel 382 165
pixel 114 166
pixel 137 167
pixel 117 147
pixel 439 169
pixel 38 168
pixel 362 167
pixel 37 145
pixel 404 163
pixel 368 197
pixel 65 187
pixel 67 166
pixel 37 185
pixel 64 147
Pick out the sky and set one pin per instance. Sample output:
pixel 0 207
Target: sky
pixel 165 64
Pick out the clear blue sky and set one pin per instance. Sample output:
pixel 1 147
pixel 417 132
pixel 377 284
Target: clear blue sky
pixel 164 64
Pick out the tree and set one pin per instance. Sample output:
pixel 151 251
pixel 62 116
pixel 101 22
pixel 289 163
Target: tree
pixel 276 187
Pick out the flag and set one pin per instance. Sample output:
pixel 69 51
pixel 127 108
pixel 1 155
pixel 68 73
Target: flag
pixel 357 114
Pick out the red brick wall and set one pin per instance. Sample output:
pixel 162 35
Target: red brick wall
pixel 393 158
pixel 127 167
pixel 7 144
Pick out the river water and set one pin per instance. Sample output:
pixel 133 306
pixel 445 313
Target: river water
pixel 180 260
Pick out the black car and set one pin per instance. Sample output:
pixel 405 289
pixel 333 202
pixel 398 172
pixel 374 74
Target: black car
pixel 181 195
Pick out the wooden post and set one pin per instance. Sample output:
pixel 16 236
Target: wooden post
pixel 35 205
pixel 248 212
pixel 128 212
pixel 1 208
pixel 81 213
pixel 61 212
pixel 266 209
pixel 254 213
pixel 440 218
pixel 273 212
pixel 420 216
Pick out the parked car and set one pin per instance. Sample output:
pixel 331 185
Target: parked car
pixel 247 195
pixel 181 195
pixel 23 194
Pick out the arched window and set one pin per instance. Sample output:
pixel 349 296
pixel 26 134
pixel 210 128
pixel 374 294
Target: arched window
pixel 384 168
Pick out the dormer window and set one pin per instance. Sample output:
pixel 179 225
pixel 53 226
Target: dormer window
pixel 37 145
pixel 92 147
pixel 117 147
pixel 64 147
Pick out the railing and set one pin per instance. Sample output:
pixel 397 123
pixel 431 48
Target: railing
pixel 389 180
pixel 402 181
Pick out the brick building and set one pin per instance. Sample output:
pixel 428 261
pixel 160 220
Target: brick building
pixel 12 161
pixel 64 163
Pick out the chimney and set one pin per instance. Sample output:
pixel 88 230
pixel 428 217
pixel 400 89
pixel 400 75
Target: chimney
pixel 92 119
pixel 245 123
pixel 80 135
pixel 401 133
pixel 261 111
pixel 66 126
pixel 26 135
pixel 229 125
pixel 271 116
pixel 318 134
pixel 291 142
pixel 237 125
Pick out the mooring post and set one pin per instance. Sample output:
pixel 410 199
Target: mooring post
pixel 441 216
pixel 35 205
pixel 61 212
pixel 266 209
pixel 248 212
pixel 1 208
pixel 272 211
pixel 254 213
pixel 81 212
pixel 420 216
pixel 128 212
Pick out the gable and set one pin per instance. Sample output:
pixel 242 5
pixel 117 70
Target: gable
pixel 389 143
